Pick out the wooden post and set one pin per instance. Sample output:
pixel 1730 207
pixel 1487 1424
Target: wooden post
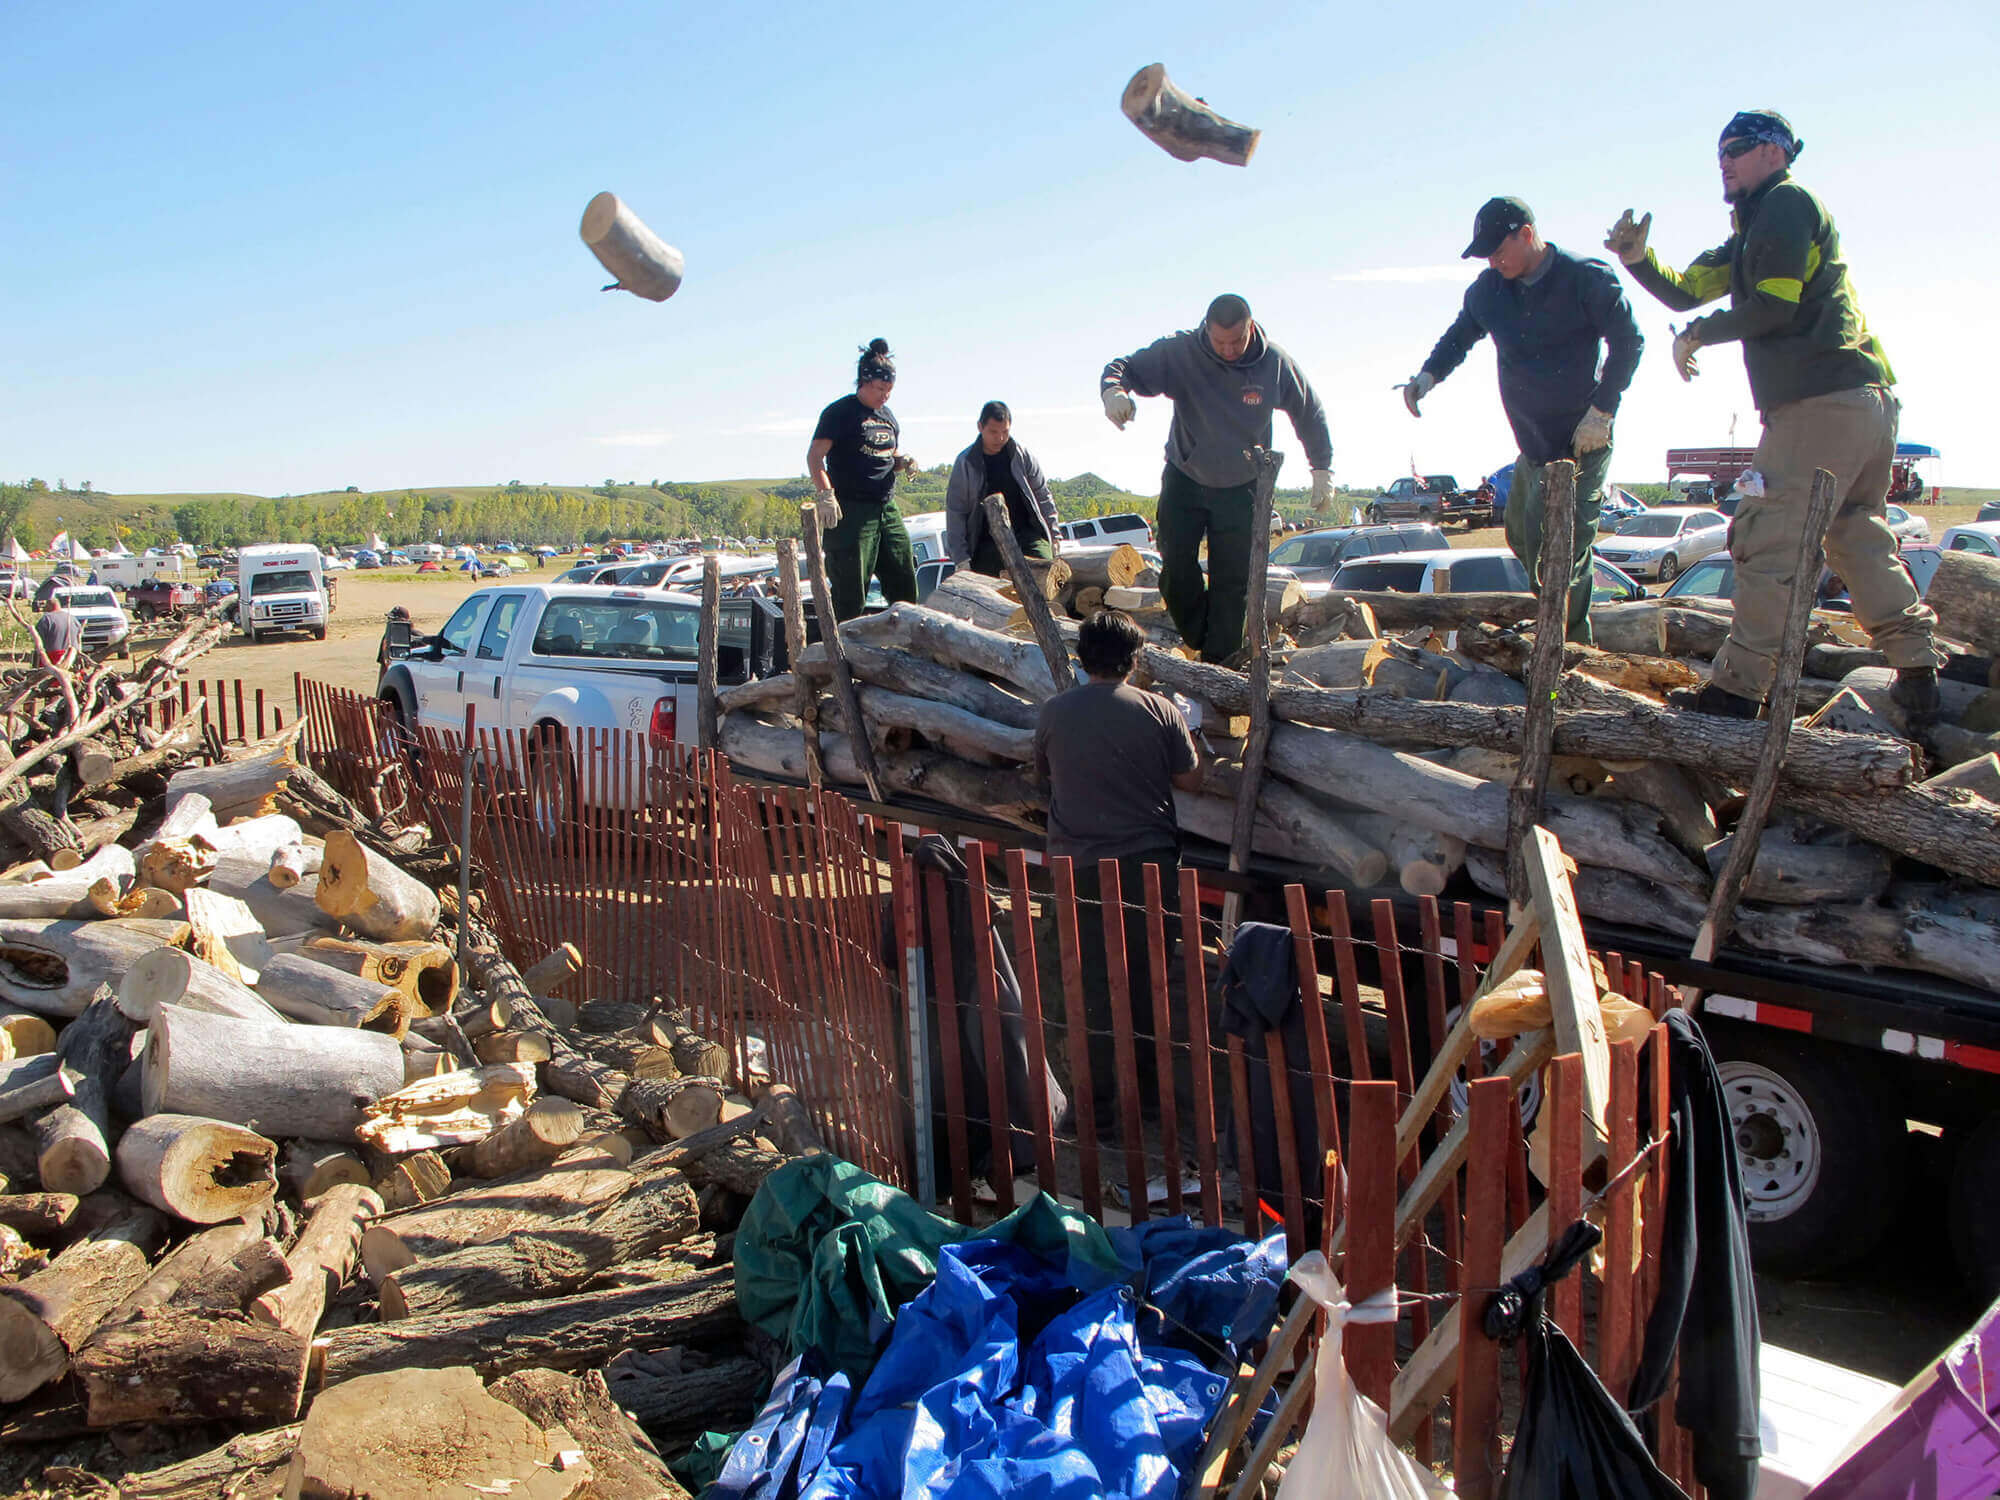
pixel 836 654
pixel 1721 914
pixel 1034 603
pixel 711 635
pixel 805 701
pixel 1475 1413
pixel 1257 634
pixel 1524 802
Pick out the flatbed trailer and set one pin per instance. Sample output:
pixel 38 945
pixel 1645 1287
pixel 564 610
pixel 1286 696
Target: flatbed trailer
pixel 1827 1070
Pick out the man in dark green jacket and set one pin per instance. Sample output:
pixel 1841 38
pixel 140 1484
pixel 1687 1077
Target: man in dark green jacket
pixel 1821 382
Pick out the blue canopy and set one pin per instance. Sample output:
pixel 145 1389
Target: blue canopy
pixel 1917 450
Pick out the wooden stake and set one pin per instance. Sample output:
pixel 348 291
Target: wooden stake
pixel 1033 601
pixel 836 654
pixel 1524 802
pixel 1784 698
pixel 805 696
pixel 1257 632
pixel 710 642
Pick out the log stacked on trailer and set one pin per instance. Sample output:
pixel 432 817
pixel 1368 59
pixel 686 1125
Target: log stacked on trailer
pixel 1399 718
pixel 277 1145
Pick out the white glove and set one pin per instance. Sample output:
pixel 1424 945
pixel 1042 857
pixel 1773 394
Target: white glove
pixel 1119 407
pixel 1685 343
pixel 905 464
pixel 1322 491
pixel 1592 433
pixel 828 509
pixel 1627 240
pixel 1416 388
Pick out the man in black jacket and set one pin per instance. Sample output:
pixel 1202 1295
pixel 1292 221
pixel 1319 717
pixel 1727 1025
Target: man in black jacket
pixel 1550 315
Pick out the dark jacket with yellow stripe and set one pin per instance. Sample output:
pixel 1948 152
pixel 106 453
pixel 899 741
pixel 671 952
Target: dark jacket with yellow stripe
pixel 1790 300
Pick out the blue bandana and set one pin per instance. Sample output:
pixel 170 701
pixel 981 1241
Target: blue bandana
pixel 1763 125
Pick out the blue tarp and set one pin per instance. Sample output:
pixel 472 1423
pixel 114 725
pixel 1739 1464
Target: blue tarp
pixel 1023 1370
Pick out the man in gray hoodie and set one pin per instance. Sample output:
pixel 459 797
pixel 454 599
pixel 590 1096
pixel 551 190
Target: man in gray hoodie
pixel 1225 379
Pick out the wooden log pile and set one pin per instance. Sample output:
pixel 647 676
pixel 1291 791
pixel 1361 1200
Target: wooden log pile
pixel 1399 722
pixel 273 1162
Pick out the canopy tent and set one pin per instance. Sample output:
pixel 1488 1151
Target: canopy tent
pixel 1917 450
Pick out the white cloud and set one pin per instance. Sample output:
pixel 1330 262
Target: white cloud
pixel 635 439
pixel 1456 271
pixel 773 427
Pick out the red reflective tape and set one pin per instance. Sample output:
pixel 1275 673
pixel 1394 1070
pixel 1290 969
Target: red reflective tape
pixel 1784 1017
pixel 1985 1059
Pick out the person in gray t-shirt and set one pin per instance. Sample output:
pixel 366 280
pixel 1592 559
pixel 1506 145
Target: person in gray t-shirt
pixel 1112 756
pixel 60 634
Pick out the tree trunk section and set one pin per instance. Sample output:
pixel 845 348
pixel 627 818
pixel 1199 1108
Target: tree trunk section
pixel 676 1399
pixel 247 787
pixel 642 263
pixel 1801 874
pixel 372 895
pixel 537 1137
pixel 251 1465
pixel 280 1081
pixel 320 1261
pixel 624 1464
pixel 204 1171
pixel 313 1167
pixel 954 643
pixel 52 1313
pixel 1965 592
pixel 320 995
pixel 474 1216
pixel 193 1367
pixel 293 862
pixel 67 892
pixel 171 976
pixel 75 1138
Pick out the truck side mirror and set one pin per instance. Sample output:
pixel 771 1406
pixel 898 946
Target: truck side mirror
pixel 399 634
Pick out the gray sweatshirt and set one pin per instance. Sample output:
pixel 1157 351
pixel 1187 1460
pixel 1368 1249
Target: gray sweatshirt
pixel 1221 409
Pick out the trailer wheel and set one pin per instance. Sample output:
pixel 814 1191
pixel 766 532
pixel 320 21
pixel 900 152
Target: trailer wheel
pixel 1819 1143
pixel 1974 1211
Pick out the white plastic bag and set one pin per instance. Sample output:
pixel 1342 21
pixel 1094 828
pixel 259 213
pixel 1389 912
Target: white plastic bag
pixel 1346 1452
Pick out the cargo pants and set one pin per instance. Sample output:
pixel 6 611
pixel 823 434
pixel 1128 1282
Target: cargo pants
pixel 1852 435
pixel 1525 506
pixel 1209 611
pixel 870 542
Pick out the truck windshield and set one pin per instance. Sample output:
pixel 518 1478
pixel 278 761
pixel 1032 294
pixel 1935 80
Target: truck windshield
pixel 88 599
pixel 1365 577
pixel 1651 526
pixel 281 581
pixel 622 629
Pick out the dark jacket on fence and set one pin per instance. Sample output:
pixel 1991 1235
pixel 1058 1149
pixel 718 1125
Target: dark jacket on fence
pixel 1707 1307
pixel 936 853
pixel 1259 988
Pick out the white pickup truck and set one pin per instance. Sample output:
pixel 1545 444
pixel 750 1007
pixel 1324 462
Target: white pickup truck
pixel 573 657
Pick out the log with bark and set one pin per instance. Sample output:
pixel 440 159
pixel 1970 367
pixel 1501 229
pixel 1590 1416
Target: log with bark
pixel 172 976
pixel 57 967
pixel 204 1171
pixel 293 862
pixel 66 893
pixel 954 643
pixel 312 1167
pixel 320 1260
pixel 487 1212
pixel 321 995
pixel 545 1261
pixel 540 1134
pixel 252 1464
pixel 452 1109
pixel 1965 592
pixel 676 1395
pixel 224 932
pixel 562 1333
pixel 73 1139
pixel 1794 871
pixel 48 1316
pixel 672 1109
pixel 624 1464
pixel 372 895
pixel 37 1215
pixel 279 1080
pixel 248 785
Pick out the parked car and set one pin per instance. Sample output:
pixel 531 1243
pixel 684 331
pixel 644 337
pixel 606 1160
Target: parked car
pixel 217 562
pixel 1715 577
pixel 1665 540
pixel 163 599
pixel 1435 497
pixel 1106 531
pixel 1908 527
pixel 106 630
pixel 1469 570
pixel 1315 556
pixel 1982 537
pixel 591 571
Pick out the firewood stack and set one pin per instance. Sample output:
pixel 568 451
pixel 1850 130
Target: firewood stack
pixel 261 1141
pixel 1399 718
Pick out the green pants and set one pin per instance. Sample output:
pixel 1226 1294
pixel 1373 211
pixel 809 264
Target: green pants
pixel 986 556
pixel 869 542
pixel 1524 528
pixel 1208 612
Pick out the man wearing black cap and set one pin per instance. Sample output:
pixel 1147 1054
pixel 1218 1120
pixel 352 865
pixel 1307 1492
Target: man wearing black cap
pixel 1821 382
pixel 1551 315
pixel 1225 379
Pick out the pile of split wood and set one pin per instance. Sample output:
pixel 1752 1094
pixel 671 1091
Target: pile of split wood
pixel 1397 721
pixel 265 1151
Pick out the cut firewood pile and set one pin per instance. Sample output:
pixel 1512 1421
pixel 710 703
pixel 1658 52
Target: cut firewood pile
pixel 284 1187
pixel 1397 723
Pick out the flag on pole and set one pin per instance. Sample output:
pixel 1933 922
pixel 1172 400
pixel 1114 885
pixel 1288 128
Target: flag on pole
pixel 62 546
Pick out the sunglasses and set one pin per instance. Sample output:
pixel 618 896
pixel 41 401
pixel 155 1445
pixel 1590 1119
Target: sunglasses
pixel 1736 148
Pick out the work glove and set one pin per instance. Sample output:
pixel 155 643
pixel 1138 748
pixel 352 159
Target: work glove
pixel 1685 343
pixel 1416 388
pixel 828 509
pixel 1322 491
pixel 1627 240
pixel 905 464
pixel 1592 433
pixel 1119 407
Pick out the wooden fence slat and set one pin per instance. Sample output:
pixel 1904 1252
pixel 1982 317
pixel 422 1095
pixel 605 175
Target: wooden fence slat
pixel 1562 1109
pixel 1163 1035
pixel 1201 1049
pixel 1371 1230
pixel 1436 1009
pixel 1616 1315
pixel 1358 1063
pixel 948 1044
pixel 1082 1088
pixel 1291 1177
pixel 1028 972
pixel 1475 1406
pixel 1319 1047
pixel 998 1120
pixel 1111 908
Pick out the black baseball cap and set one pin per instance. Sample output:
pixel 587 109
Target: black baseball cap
pixel 1498 218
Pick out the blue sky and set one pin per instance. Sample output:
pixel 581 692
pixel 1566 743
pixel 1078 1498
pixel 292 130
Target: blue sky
pixel 283 248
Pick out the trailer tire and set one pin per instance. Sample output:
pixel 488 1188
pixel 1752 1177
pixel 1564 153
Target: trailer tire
pixel 1820 1144
pixel 1974 1210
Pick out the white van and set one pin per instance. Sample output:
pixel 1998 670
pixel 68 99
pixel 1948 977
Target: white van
pixel 1109 531
pixel 424 552
pixel 926 536
pixel 280 588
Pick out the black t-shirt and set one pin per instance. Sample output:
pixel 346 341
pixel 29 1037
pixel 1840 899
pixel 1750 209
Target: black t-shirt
pixel 862 462
pixel 1000 480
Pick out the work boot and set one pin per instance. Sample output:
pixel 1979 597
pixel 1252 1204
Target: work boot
pixel 1915 692
pixel 1715 701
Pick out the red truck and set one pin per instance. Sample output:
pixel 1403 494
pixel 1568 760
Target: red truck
pixel 160 599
